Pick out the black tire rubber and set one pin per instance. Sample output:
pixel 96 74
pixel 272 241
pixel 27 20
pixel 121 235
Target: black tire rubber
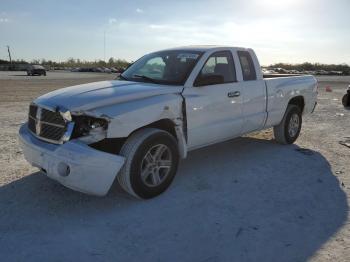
pixel 134 150
pixel 346 100
pixel 281 131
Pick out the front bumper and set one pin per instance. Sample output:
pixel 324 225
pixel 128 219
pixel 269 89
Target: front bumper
pixel 73 164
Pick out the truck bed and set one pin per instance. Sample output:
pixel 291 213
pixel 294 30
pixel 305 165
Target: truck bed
pixel 279 75
pixel 282 88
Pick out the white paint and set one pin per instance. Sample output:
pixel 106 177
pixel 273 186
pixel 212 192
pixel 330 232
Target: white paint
pixel 211 116
pixel 91 171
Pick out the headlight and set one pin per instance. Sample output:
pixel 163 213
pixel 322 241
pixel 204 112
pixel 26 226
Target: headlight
pixel 85 125
pixel 67 116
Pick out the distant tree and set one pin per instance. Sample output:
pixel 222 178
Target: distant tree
pixel 35 61
pixel 314 67
pixel 111 62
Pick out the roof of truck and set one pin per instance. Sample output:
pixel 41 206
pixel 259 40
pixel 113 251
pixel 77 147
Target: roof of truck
pixel 202 47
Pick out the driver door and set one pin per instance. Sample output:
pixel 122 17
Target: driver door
pixel 214 103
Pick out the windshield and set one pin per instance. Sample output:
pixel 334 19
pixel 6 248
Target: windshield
pixel 165 67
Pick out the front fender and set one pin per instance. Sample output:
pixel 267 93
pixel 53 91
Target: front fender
pixel 126 117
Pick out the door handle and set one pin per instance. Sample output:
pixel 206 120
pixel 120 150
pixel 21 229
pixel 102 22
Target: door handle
pixel 234 94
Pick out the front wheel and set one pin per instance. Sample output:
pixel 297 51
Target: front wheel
pixel 151 161
pixel 289 128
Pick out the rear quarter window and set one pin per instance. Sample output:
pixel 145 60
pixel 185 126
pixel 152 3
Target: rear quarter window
pixel 247 65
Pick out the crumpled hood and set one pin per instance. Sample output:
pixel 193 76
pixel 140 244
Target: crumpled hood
pixel 104 93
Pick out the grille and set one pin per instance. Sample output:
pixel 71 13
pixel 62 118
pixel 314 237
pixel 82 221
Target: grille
pixel 32 118
pixel 32 110
pixel 52 117
pixel 46 124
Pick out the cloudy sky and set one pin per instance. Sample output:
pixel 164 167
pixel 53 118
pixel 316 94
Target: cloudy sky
pixel 280 31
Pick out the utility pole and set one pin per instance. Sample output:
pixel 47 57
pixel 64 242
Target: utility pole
pixel 8 50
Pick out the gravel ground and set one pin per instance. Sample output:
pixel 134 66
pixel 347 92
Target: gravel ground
pixel 248 199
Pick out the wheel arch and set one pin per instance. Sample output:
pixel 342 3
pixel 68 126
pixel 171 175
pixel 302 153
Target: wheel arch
pixel 113 145
pixel 165 124
pixel 175 128
pixel 299 101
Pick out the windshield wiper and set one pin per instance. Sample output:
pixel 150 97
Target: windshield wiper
pixel 147 78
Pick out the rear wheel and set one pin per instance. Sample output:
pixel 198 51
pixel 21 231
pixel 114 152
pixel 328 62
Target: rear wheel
pixel 151 161
pixel 289 128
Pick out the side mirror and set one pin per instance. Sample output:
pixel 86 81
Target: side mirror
pixel 206 80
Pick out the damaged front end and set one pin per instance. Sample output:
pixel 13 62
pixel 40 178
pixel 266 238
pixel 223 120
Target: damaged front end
pixel 58 142
pixel 59 126
pixel 89 129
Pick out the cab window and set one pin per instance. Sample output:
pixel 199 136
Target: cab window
pixel 220 64
pixel 247 65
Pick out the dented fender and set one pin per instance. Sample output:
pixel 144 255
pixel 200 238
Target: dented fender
pixel 125 118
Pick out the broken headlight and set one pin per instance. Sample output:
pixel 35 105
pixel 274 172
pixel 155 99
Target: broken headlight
pixel 87 125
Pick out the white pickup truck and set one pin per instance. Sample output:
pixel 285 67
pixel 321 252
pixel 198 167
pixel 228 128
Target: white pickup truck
pixel 167 103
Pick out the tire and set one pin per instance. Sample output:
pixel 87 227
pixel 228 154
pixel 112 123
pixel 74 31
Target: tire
pixel 288 130
pixel 157 178
pixel 346 100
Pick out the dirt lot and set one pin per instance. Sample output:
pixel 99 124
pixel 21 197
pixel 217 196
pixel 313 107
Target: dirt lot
pixel 248 199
